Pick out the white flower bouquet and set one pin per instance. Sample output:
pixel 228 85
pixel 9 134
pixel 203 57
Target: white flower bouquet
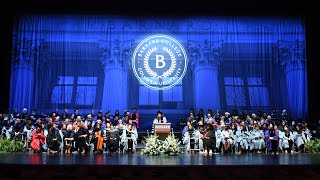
pixel 154 146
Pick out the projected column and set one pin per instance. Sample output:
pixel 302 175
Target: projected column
pixel 293 60
pixel 205 59
pixel 115 60
pixel 22 93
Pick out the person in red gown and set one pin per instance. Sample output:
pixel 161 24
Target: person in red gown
pixel 37 139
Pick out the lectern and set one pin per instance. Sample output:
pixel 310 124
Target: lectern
pixel 162 130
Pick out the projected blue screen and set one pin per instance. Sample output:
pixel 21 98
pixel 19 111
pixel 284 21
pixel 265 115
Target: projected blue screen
pixel 87 62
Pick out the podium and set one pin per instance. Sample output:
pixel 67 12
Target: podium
pixel 162 130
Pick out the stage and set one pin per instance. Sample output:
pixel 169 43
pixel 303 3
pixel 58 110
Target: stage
pixel 185 166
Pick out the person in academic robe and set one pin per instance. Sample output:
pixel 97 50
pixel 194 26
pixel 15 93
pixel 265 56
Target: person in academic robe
pixel 33 116
pixel 130 139
pixel 115 120
pixel 219 136
pixel 135 117
pixel 99 116
pixel 227 118
pixel 117 113
pixel 185 129
pixel 287 138
pixel 122 130
pixel 299 138
pixel 76 113
pixel 160 118
pixel 201 127
pixel 217 116
pixel 272 139
pixel 200 115
pixel 68 139
pixel 227 138
pixel 24 114
pixel 209 140
pixel 306 131
pixel 257 139
pixel 195 136
pixel 17 130
pixel 38 139
pixel 53 139
pixel 112 140
pixel 27 130
pixel 97 138
pixel 6 131
pixel 82 138
pixel 281 126
pixel 242 139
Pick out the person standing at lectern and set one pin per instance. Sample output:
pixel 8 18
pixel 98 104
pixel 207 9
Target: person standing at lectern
pixel 160 118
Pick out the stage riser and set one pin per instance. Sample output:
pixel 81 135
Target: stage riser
pixel 155 172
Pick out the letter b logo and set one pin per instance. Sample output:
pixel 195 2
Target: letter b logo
pixel 160 60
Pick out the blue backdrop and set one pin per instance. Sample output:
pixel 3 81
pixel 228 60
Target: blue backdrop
pixel 84 62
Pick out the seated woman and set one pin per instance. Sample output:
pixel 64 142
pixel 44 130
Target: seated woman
pixel 160 118
pixel 37 139
pixel 186 128
pixel 227 139
pixel 53 139
pixel 209 139
pixel 68 139
pixel 112 140
pixel 193 135
pixel 82 138
pixel 287 138
pixel 242 139
pixel 299 138
pixel 272 138
pixel 97 138
pixel 129 139
pixel 257 139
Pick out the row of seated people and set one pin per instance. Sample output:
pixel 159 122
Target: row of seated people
pixel 74 137
pixel 238 138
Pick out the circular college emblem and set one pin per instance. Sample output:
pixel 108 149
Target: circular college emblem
pixel 159 62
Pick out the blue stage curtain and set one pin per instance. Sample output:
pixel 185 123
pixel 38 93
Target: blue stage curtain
pixel 84 61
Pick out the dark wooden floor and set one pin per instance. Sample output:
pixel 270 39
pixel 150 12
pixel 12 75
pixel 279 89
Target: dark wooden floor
pixel 185 166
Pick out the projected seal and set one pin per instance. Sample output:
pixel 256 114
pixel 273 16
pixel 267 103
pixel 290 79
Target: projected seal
pixel 159 62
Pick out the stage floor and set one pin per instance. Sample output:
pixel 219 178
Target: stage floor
pixel 186 159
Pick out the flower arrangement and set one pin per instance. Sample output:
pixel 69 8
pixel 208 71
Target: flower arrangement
pixel 154 146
